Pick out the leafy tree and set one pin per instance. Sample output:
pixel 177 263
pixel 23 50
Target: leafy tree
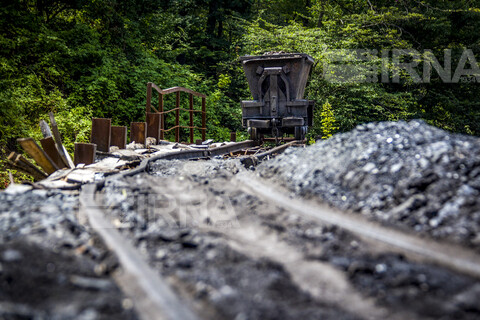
pixel 327 121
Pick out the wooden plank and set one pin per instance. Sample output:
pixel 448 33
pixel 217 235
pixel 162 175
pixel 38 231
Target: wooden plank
pixel 48 145
pixel 58 140
pixel 12 156
pixel 14 162
pixel 68 158
pixel 37 153
pixel 21 161
pixel 11 165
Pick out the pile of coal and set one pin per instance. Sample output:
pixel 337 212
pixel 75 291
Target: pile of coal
pixel 50 265
pixel 410 174
pixel 43 216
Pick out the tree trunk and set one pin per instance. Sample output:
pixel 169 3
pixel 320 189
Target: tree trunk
pixel 305 18
pixel 322 13
pixel 212 17
pixel 220 29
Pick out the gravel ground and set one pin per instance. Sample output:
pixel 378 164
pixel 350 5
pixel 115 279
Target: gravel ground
pixel 408 174
pixel 235 256
pixel 223 282
pixel 50 266
pixel 222 278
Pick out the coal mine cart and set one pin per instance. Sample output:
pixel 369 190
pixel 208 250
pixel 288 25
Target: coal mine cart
pixel 277 83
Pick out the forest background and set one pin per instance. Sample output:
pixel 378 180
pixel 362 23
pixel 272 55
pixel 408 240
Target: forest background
pixel 93 58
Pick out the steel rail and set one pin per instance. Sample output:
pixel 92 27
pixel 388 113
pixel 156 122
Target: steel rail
pixel 275 150
pixel 447 255
pixel 181 155
pixel 152 296
pixel 232 147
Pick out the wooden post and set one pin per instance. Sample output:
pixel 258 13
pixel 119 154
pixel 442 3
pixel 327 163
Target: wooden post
pixel 162 116
pixel 191 118
pixel 137 132
pixel 149 97
pixel 204 119
pixel 177 117
pixel 153 124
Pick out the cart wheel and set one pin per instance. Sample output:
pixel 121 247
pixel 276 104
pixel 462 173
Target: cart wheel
pixel 299 133
pixel 253 133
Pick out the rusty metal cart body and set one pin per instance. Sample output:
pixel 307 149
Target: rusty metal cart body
pixel 277 84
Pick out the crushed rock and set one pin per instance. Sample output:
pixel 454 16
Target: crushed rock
pixel 51 266
pixel 198 170
pixel 409 174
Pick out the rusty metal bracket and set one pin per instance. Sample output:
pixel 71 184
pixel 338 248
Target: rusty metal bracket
pixel 137 132
pixel 101 133
pixel 84 153
pixel 118 137
pixel 152 121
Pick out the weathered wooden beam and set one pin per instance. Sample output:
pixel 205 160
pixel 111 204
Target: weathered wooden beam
pixel 18 162
pixel 48 145
pixel 58 140
pixel 37 153
pixel 21 161
pixel 26 170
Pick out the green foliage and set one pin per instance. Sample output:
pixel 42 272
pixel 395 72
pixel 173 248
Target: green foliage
pixel 327 121
pixel 84 58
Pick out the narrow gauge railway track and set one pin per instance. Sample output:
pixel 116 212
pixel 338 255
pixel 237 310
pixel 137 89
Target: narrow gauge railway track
pixel 152 296
pixel 171 307
pixel 446 255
